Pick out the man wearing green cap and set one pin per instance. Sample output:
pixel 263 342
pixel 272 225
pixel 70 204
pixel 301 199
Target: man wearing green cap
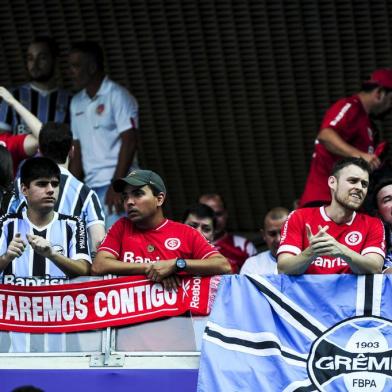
pixel 146 243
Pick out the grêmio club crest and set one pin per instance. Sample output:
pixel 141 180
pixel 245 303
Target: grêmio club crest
pixel 354 355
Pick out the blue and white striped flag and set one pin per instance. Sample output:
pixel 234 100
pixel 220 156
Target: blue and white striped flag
pixel 307 333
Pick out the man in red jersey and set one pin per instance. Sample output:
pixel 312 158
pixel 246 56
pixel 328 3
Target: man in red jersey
pixel 146 243
pixel 335 238
pixel 235 247
pixel 346 131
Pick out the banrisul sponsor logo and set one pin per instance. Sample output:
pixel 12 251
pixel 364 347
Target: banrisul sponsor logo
pixel 354 355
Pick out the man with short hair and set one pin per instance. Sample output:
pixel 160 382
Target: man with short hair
pixel 347 131
pixel 75 198
pixel 41 242
pixel 202 218
pixel 104 123
pixel 335 238
pixel 57 243
pixel 147 243
pixel 265 262
pixel 235 247
pixel 41 95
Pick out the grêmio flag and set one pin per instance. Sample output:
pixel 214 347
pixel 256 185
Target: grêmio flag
pixel 97 304
pixel 283 333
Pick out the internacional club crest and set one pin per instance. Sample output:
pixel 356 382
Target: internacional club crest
pixel 354 355
pixel 172 243
pixel 100 108
pixel 353 238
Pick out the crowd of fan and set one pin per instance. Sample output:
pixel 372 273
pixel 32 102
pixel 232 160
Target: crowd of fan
pixel 69 172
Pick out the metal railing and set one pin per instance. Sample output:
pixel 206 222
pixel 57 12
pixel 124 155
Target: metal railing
pixel 175 337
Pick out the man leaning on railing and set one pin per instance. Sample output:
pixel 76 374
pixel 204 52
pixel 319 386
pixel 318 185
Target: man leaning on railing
pixel 146 243
pixel 335 238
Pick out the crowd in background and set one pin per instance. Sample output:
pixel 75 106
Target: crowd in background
pixel 80 152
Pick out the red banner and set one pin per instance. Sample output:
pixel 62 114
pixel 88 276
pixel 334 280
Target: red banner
pixel 99 304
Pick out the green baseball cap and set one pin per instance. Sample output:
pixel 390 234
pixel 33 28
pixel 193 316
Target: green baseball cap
pixel 139 178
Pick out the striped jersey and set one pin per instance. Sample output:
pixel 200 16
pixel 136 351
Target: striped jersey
pixel 75 199
pixel 68 235
pixel 65 233
pixel 46 105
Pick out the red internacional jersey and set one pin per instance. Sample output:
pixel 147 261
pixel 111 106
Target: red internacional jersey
pixel 15 145
pixel 348 118
pixel 167 241
pixel 364 235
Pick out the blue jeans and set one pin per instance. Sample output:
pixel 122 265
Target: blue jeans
pixel 109 218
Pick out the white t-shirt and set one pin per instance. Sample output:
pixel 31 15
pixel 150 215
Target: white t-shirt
pixel 97 123
pixel 262 264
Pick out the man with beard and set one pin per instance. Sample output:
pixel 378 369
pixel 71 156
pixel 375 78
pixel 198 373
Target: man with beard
pixel 347 131
pixel 335 238
pixel 41 95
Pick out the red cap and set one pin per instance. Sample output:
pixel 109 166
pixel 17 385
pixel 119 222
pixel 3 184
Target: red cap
pixel 382 77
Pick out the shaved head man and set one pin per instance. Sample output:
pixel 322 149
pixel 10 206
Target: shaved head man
pixel 265 263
